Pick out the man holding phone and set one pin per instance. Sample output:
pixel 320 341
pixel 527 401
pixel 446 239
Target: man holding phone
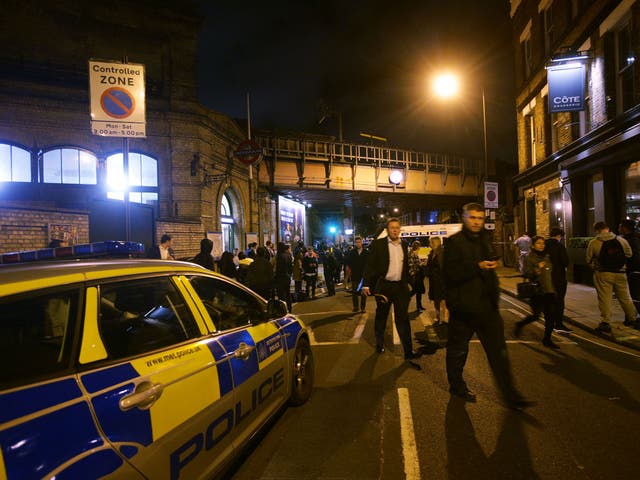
pixel 472 296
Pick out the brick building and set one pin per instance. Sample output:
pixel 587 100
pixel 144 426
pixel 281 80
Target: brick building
pixel 58 180
pixel 577 167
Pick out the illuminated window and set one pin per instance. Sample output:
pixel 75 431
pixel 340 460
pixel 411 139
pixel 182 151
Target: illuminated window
pixel 143 178
pixel 69 165
pixel 15 164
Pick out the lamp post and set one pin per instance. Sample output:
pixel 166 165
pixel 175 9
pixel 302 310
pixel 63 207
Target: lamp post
pixel 446 86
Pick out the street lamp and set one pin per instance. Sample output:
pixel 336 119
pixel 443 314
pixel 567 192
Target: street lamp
pixel 446 86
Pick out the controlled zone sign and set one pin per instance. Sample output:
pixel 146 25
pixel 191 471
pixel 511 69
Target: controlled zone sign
pixel 490 195
pixel 117 99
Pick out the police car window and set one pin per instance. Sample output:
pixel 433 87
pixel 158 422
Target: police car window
pixel 228 306
pixel 35 333
pixel 139 316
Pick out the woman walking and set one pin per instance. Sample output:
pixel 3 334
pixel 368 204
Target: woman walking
pixel 537 268
pixel 416 274
pixel 434 273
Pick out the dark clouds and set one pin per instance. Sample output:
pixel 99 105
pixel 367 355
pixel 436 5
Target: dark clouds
pixel 370 60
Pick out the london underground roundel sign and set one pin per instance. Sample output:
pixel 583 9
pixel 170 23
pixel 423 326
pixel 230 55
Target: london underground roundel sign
pixel 248 152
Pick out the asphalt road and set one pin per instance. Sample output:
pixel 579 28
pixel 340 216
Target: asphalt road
pixel 374 417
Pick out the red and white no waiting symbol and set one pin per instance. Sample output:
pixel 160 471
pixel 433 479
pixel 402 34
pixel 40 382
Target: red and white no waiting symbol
pixel 117 102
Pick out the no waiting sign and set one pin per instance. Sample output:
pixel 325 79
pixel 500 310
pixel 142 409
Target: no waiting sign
pixel 490 195
pixel 117 99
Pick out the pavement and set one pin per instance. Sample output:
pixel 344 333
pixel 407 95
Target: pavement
pixel 581 309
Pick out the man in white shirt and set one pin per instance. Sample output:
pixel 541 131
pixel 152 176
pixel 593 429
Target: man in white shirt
pixel 387 276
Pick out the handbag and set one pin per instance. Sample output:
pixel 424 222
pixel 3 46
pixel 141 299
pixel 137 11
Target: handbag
pixel 528 289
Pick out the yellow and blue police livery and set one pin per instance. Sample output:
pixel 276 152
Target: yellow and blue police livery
pixel 138 369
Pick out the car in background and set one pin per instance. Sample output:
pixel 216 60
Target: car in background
pixel 138 369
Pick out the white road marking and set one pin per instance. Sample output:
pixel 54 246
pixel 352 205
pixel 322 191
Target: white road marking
pixel 357 334
pixel 409 447
pixel 396 337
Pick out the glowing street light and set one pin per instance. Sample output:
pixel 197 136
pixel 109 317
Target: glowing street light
pixel 446 86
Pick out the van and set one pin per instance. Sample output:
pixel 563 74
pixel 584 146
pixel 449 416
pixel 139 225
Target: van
pixel 422 233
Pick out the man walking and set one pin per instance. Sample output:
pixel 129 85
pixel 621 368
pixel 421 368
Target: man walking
pixel 523 243
pixel 164 251
pixel 628 232
pixel 472 294
pixel 607 255
pixel 356 260
pixel 559 263
pixel 387 275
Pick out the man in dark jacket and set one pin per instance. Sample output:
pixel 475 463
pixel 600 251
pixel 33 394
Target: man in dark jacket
pixel 472 295
pixel 387 275
pixel 284 268
pixel 559 263
pixel 628 232
pixel 356 260
pixel 260 274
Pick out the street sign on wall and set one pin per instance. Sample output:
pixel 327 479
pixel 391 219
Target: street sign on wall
pixel 248 152
pixel 117 99
pixel 490 195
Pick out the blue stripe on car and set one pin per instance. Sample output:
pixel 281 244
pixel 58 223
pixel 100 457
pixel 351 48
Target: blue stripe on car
pixel 108 377
pixel 33 448
pixel 224 368
pixel 129 426
pixel 243 369
pixel 29 400
pixel 96 465
pixel 291 332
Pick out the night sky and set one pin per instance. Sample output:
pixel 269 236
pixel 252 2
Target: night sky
pixel 372 61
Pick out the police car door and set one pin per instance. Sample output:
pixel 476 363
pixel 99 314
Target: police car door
pixel 255 346
pixel 47 429
pixel 162 379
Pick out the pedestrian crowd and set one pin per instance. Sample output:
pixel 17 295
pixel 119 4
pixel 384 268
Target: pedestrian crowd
pixel 462 284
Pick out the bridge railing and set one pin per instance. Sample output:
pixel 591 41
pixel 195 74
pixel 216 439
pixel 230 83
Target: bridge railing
pixel 292 148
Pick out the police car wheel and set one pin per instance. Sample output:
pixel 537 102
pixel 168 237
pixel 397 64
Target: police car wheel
pixel 302 373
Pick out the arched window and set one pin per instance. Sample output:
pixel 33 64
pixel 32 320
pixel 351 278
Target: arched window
pixel 228 223
pixel 143 178
pixel 15 164
pixel 69 165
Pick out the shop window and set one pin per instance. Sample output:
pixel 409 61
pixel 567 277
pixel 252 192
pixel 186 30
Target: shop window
pixel 625 62
pixel 69 165
pixel 15 164
pixel 143 178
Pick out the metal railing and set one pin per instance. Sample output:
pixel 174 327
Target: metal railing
pixel 296 149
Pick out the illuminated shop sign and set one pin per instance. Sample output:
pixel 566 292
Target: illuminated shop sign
pixel 566 88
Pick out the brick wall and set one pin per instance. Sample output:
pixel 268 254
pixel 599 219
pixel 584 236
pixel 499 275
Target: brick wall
pixel 28 229
pixel 186 236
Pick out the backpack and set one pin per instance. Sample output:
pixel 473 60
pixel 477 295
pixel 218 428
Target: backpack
pixel 612 257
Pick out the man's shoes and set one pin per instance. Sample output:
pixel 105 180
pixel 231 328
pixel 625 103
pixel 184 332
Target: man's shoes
pixel 362 311
pixel 463 393
pixel 563 328
pixel 632 323
pixel 355 310
pixel 520 404
pixel 379 349
pixel 412 355
pixel 547 342
pixel 413 365
pixel 517 331
pixel 604 327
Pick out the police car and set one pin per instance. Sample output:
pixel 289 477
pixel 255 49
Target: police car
pixel 138 368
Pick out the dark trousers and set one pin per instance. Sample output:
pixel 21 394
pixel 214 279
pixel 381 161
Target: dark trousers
pixel 359 301
pixel 633 278
pixel 543 303
pixel 489 327
pixel 283 286
pixel 397 294
pixel 310 286
pixel 558 305
pixel 331 285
